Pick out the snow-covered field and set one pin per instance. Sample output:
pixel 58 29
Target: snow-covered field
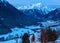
pixel 14 41
pixel 17 33
pixel 20 32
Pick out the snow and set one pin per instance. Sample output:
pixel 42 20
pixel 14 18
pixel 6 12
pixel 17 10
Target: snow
pixel 10 41
pixel 49 23
pixel 14 41
pixel 18 32
pixel 32 27
pixel 38 5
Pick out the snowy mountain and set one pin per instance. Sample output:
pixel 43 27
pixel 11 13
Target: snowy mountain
pixel 32 6
pixel 38 6
pixel 53 15
pixel 37 13
pixel 15 22
pixel 11 17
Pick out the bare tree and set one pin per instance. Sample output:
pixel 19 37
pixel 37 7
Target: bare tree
pixel 48 35
pixel 43 35
pixel 51 35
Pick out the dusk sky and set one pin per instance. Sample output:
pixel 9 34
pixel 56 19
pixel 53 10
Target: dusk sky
pixel 28 2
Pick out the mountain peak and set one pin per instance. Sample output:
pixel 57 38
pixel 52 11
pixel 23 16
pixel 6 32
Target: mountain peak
pixel 32 6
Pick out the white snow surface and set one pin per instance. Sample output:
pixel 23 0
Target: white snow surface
pixel 18 32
